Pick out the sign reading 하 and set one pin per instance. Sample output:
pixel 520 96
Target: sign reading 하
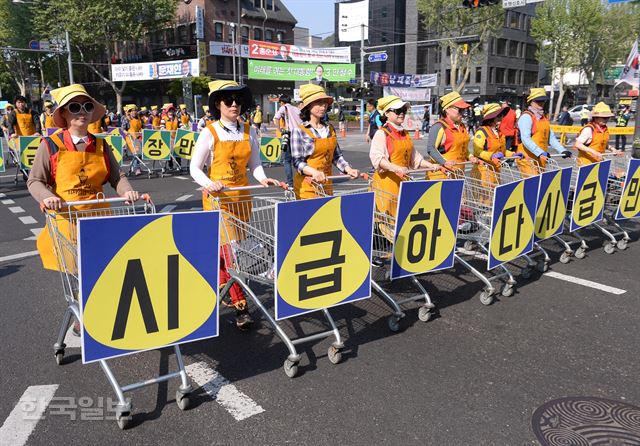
pixel 552 203
pixel 184 143
pixel 426 226
pixel 514 210
pixel 28 147
pixel 147 281
pixel 156 145
pixel 323 253
pixel 270 150
pixel 629 206
pixel 588 200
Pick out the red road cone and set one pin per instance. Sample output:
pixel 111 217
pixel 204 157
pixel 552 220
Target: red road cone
pixel 417 135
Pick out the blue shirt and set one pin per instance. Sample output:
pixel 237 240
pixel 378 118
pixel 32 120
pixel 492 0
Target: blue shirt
pixel 524 127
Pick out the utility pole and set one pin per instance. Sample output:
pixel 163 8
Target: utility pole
pixel 362 77
pixel 66 35
pixel 233 45
pixel 239 46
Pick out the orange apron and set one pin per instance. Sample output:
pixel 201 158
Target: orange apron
pixel 172 126
pixel 599 142
pixel 229 166
pixel 487 170
pixel 321 159
pixel 95 127
pixel 456 144
pixel 400 149
pixel 78 176
pixel 184 120
pixel 48 122
pixel 134 134
pixel 24 124
pixel 540 131
pixel 155 122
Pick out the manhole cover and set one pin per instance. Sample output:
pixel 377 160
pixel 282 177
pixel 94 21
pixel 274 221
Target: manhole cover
pixel 585 421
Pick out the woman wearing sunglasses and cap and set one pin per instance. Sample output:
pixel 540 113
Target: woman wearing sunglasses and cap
pixel 73 165
pixel 392 152
pixel 593 140
pixel 229 146
pixel 448 142
pixel 314 145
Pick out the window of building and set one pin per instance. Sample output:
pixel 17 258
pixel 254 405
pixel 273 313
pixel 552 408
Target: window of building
pixel 192 33
pixel 478 75
pixel 530 53
pixel 183 35
pixel 218 33
pixel 530 78
pixel 447 80
pixel 501 47
pixel 270 5
pixel 230 31
pixel 280 36
pixel 257 3
pixel 170 36
pixel 268 35
pixel 527 23
pixel 512 77
pixel 513 48
pixel 220 64
pixel 245 34
pixel 384 12
pixel 257 34
pixel 514 19
pixel 499 76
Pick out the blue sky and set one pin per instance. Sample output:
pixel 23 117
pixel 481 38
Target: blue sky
pixel 317 15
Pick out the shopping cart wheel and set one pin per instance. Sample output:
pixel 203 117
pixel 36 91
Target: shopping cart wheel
pixel 623 244
pixel 290 368
pixel 580 253
pixel 59 356
pixel 565 257
pixel 486 297
pixel 543 266
pixel 183 399
pixel 334 354
pixel 424 313
pixel 394 323
pixel 123 419
pixel 526 273
pixel 507 290
pixel 609 247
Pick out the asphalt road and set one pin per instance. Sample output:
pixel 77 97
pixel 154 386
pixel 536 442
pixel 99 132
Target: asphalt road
pixel 473 375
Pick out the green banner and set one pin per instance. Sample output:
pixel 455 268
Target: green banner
pixel 281 71
pixel 611 74
pixel 116 143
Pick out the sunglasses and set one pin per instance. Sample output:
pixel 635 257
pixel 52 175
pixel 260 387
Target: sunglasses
pixel 399 111
pixel 75 107
pixel 230 99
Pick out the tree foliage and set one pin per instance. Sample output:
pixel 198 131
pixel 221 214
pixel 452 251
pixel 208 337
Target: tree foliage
pixel 447 19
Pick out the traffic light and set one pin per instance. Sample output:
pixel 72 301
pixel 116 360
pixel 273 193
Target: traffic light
pixel 478 3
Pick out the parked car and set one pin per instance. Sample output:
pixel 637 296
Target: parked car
pixel 575 112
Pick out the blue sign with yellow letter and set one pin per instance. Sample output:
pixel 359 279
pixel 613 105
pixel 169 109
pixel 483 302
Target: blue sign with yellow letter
pixel 147 281
pixel 514 210
pixel 426 226
pixel 552 203
pixel 629 206
pixel 323 253
pixel 588 199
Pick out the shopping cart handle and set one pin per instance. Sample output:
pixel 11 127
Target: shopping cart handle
pixel 145 197
pixel 280 184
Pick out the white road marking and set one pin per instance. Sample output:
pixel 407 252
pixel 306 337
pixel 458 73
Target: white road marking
pixel 8 201
pixel 184 197
pixel 584 282
pixel 28 220
pixel 4 195
pixel 36 232
pixel 16 209
pixel 25 416
pixel 168 208
pixel 182 178
pixel 22 255
pixel 239 405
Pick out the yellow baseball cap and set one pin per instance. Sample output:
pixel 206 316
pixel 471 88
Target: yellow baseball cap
pixel 537 94
pixel 390 102
pixel 453 99
pixel 493 110
pixel 310 93
pixel 601 110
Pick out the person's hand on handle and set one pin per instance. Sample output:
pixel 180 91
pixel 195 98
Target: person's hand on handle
pixel 450 164
pixel 474 159
pixel 567 154
pixel 400 171
pixel 52 203
pixel 318 177
pixel 595 154
pixel 353 173
pixel 518 155
pixel 132 196
pixel 544 157
pixel 215 186
pixel 270 181
pixel 497 158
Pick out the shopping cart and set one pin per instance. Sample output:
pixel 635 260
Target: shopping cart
pixel 14 153
pixel 615 187
pixel 62 226
pixel 252 258
pixel 133 144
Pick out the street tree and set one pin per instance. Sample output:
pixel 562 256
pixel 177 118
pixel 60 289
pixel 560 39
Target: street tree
pixel 447 18
pixel 100 29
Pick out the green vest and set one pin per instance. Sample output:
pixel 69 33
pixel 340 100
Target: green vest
pixel 623 119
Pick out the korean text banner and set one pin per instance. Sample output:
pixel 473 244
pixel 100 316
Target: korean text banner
pixel 147 281
pixel 323 253
pixel 588 202
pixel 281 71
pixel 155 70
pixel 226 49
pixel 514 211
pixel 284 53
pixel 629 206
pixel 410 94
pixel 426 226
pixel 403 80
pixel 552 203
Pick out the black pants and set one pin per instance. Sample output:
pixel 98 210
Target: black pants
pixel 621 142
